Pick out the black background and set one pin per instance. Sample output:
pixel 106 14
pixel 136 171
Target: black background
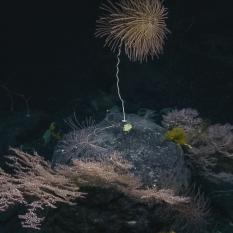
pixel 49 53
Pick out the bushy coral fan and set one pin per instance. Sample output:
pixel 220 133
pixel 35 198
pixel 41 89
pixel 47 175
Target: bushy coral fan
pixel 208 144
pixel 186 118
pixel 212 145
pixel 219 138
pixel 37 186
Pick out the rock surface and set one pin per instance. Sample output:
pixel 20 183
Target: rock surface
pixel 155 161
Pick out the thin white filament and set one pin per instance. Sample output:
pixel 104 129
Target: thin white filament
pixel 118 86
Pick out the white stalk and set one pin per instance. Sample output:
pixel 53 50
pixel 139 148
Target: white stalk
pixel 118 86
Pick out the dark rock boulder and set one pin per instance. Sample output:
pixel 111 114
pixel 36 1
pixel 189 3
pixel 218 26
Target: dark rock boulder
pixel 155 161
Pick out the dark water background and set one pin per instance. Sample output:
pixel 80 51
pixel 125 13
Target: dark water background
pixel 48 53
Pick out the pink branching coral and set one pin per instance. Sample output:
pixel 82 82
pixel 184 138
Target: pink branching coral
pixel 34 179
pixel 193 217
pixel 188 212
pixel 186 118
pixel 37 186
pixel 215 143
pixel 31 219
pixel 9 194
pixel 220 139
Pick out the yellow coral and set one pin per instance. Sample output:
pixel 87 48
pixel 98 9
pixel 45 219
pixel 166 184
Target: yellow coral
pixel 177 135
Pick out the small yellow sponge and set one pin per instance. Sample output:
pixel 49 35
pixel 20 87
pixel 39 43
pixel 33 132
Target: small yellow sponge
pixel 177 135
